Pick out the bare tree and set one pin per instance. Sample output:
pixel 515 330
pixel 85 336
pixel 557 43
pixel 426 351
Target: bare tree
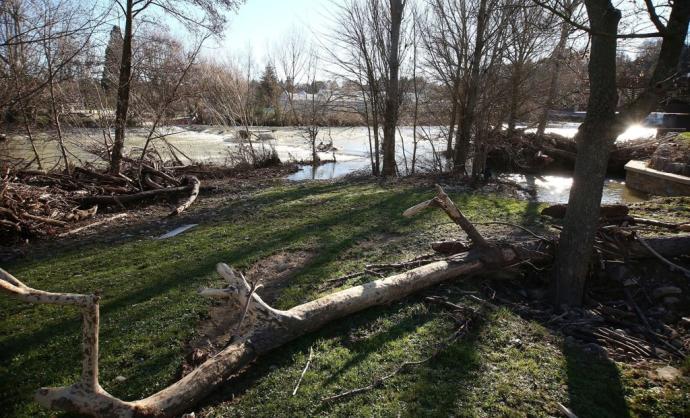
pixel 556 64
pixel 390 47
pixel 40 44
pixel 527 33
pixel 366 46
pixel 602 125
pixel 211 19
pixel 292 57
pixel 463 41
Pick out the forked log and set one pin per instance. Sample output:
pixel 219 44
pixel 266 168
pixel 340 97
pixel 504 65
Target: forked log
pixel 261 328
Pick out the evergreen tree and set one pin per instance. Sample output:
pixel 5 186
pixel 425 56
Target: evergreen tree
pixel 111 61
pixel 269 92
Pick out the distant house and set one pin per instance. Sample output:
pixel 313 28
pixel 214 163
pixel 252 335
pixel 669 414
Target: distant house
pixel 334 101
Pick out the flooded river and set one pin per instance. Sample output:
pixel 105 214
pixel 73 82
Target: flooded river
pixel 216 144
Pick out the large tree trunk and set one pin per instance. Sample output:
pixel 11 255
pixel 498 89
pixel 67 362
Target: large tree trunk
pixel 123 88
pixel 595 138
pixel 462 144
pixel 599 131
pixel 390 121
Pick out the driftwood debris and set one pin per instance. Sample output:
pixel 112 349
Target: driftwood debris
pixel 259 327
pixel 529 152
pixel 195 184
pixel 134 197
pixel 38 203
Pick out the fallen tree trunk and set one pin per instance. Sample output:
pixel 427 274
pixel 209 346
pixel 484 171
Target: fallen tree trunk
pixel 532 153
pixel 261 328
pixel 668 246
pixel 606 211
pixel 134 197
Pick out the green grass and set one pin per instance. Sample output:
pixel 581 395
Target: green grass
pixel 684 136
pixel 150 309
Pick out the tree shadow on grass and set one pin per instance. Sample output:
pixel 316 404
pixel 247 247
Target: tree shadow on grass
pixel 169 276
pixel 595 388
pixel 430 386
pixel 172 274
pixel 439 385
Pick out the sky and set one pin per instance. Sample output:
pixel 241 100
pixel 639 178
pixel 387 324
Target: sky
pixel 260 24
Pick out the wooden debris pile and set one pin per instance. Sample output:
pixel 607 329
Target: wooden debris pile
pixel 33 210
pixel 527 152
pixel 36 203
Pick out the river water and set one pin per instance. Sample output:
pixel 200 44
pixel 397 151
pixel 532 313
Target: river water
pixel 217 144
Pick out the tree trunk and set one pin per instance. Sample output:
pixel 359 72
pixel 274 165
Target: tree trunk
pixel 392 111
pixel 467 121
pixel 53 105
pixel 556 63
pixel 453 117
pixel 599 131
pixel 516 80
pixel 123 88
pixel 595 139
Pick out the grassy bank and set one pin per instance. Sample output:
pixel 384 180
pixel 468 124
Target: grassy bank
pixel 506 366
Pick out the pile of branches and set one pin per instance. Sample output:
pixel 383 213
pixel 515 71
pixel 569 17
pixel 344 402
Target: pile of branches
pixel 629 315
pixel 35 203
pixel 527 152
pixel 36 210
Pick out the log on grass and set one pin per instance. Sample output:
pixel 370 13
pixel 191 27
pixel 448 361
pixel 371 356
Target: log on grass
pixel 449 247
pixel 607 211
pixel 668 246
pixel 262 330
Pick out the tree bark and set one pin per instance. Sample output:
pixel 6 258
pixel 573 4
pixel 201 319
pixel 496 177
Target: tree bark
pixel 462 143
pixel 453 116
pixel 595 139
pixel 597 134
pixel 123 88
pixel 392 111
pixel 516 80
